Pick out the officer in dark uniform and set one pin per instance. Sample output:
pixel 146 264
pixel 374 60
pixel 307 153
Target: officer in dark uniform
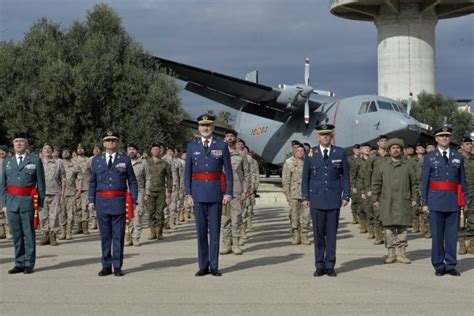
pixel 23 176
pixel 325 187
pixel 111 171
pixel 206 158
pixel 443 172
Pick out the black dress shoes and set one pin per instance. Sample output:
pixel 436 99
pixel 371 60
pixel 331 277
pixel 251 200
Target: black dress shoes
pixel 453 272
pixel 439 272
pixel 28 270
pixel 319 272
pixel 105 271
pixel 216 272
pixel 331 272
pixel 118 272
pixel 202 272
pixel 16 270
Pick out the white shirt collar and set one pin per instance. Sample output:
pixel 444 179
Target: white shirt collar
pixel 321 148
pixel 107 155
pixel 203 139
pixel 441 151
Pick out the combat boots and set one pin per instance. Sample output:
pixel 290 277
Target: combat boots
pixel 392 257
pixel 136 242
pixel 181 217
pixel 249 226
pixel 152 233
pixel 69 232
pixel 363 226
pixel 354 219
pixel 235 247
pixel 462 246
pixel 177 221
pixel 78 229
pixel 159 233
pixel 128 238
pixel 63 233
pixel 378 236
pixel 243 235
pixel 45 239
pixel 94 223
pixel 53 241
pixel 85 227
pixel 226 247
pixel 370 232
pixel 8 232
pixel 172 225
pixel 304 238
pixel 3 235
pixel 469 242
pixel 296 237
pixel 401 257
pixel 428 233
pixel 186 216
pixel 415 226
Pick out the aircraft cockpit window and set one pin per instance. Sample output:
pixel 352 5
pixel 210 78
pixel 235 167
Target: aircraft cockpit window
pixel 395 107
pixel 385 105
pixel 372 107
pixel 402 108
pixel 363 107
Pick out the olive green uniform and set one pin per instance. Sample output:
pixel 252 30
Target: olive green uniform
pixel 160 182
pixel 354 167
pixel 468 231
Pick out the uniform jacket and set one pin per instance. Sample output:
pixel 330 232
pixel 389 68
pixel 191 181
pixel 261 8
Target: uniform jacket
pixel 29 173
pixel 240 172
pixel 115 179
pixel 395 186
pixel 325 184
pixel 435 169
pixel 197 160
pixel 73 173
pixel 291 179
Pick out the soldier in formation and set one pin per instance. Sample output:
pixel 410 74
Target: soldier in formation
pixel 466 232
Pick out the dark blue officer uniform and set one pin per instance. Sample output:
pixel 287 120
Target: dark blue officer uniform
pixel 325 183
pixel 202 181
pixel 107 189
pixel 439 192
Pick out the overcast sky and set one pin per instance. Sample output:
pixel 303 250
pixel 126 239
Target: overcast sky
pixel 273 36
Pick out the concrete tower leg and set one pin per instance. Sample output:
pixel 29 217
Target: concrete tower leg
pixel 406 51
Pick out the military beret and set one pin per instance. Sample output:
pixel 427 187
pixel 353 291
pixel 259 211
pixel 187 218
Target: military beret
pixel 466 139
pixel 67 149
pixel 295 142
pixel 230 132
pixel 365 145
pixel 325 128
pixel 109 135
pixel 240 140
pixel 383 137
pixel 300 146
pixel 21 135
pixel 206 119
pixel 156 145
pixel 96 146
pixel 171 147
pixel 409 146
pixel 356 146
pixel 80 145
pixel 307 144
pixel 420 145
pixel 395 141
pixel 48 144
pixel 443 130
pixel 132 146
pixel 431 142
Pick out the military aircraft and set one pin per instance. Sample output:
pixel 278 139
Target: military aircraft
pixel 268 119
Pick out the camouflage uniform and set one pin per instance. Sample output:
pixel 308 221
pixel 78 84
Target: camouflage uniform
pixel 417 164
pixel 188 210
pixel 231 223
pixel 142 173
pixel 288 162
pixel 466 234
pixel 182 215
pixel 250 201
pixel 55 177
pixel 169 211
pixel 3 215
pixel 161 182
pixel 82 212
pixel 300 216
pixel 361 189
pixel 73 175
pixel 354 166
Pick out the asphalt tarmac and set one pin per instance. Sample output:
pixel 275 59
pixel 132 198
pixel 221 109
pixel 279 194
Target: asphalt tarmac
pixel 272 277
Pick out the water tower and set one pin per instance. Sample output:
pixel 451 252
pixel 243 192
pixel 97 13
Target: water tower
pixel 406 39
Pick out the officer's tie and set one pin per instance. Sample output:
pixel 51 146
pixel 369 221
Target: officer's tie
pixel 445 156
pixel 206 144
pixel 109 164
pixel 21 159
pixel 325 157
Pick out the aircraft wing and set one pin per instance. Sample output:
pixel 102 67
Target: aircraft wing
pixel 234 92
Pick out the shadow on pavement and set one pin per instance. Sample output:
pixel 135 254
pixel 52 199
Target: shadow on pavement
pixel 163 264
pixel 77 263
pixel 260 262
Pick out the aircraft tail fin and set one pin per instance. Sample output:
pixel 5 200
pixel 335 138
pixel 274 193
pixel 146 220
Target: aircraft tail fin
pixel 252 76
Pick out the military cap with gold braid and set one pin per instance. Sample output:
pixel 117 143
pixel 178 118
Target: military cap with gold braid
pixel 443 130
pixel 325 128
pixel 206 119
pixel 109 135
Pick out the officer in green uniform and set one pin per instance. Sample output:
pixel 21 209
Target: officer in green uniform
pixel 354 165
pixel 23 173
pixel 360 187
pixel 466 234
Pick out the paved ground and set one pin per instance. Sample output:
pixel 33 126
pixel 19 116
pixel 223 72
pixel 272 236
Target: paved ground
pixel 272 277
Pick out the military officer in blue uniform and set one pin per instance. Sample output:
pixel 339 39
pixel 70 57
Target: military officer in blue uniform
pixel 443 172
pixel 23 176
pixel 111 171
pixel 325 187
pixel 206 160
